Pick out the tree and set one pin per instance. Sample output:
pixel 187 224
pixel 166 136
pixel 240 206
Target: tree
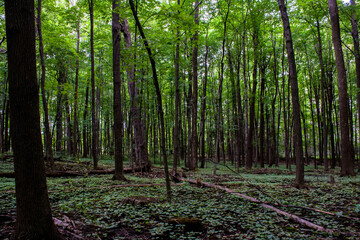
pixel 34 220
pixel 297 138
pixel 347 151
pixel 141 152
pixel 118 116
pixel 177 100
pixel 194 155
pixel 94 123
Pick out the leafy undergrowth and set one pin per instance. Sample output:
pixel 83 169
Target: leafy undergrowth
pixel 95 207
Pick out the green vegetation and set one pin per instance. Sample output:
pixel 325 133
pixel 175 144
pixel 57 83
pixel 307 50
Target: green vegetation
pixel 98 208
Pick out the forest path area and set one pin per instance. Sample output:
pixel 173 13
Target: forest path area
pixel 95 207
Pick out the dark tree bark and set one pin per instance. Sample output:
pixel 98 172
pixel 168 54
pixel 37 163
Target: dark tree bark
pixel 59 108
pixel 75 127
pixel 355 35
pixel 158 97
pixel 274 142
pixel 48 138
pixel 85 125
pixel 323 98
pixel 297 138
pixel 94 122
pixel 3 109
pixel 34 220
pixel 235 143
pixel 141 153
pixel 250 141
pixel 262 114
pixel 118 115
pixel 194 144
pixel 177 101
pixel 219 100
pixel 69 143
pixel 347 151
pixel 203 109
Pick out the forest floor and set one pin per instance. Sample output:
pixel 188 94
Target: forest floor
pixel 96 207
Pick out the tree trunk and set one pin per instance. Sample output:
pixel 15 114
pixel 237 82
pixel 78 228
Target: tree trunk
pixel 75 127
pixel 177 101
pixel 141 152
pixel 94 122
pixel 59 109
pixel 85 125
pixel 347 152
pixel 118 115
pixel 194 143
pixel 323 99
pixel 297 138
pixel 219 102
pixel 355 35
pixel 34 220
pixel 250 146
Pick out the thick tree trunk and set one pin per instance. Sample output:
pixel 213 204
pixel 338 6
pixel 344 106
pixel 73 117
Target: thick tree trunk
pixel 347 152
pixel 94 121
pixel 159 101
pixel 34 220
pixel 297 138
pixel 141 152
pixel 118 115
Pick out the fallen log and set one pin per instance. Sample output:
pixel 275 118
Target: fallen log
pixel 77 174
pixel 278 211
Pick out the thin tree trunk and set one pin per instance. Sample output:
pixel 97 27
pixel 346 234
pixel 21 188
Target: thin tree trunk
pixel 94 122
pixel 75 127
pixel 355 35
pixel 48 138
pixel 59 109
pixel 347 152
pixel 85 125
pixel 177 100
pixel 194 143
pixel 219 103
pixel 250 146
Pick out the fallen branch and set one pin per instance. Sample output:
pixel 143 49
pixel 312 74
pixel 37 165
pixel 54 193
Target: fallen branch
pixel 278 211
